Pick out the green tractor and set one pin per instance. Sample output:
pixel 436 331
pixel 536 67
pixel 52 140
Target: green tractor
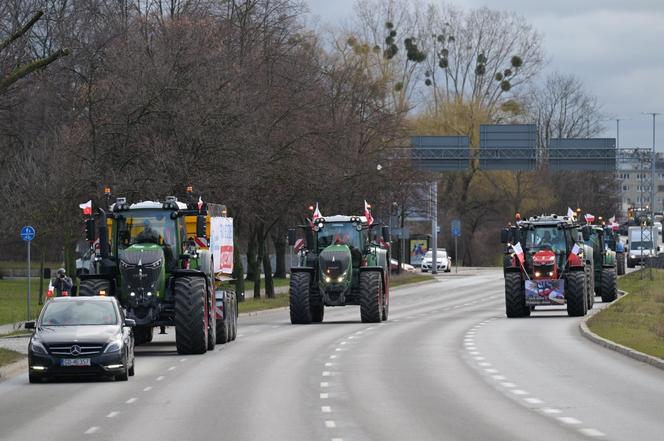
pixel 155 259
pixel 340 263
pixel 604 264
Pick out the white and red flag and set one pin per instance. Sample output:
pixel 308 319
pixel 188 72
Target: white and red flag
pixel 200 203
pixel 576 249
pixel 317 214
pixel 367 213
pixel 589 218
pixel 299 244
pixel 519 252
pixel 570 213
pixel 86 207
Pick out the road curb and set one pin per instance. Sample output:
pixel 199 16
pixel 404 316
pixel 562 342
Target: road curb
pixel 13 369
pixel 609 344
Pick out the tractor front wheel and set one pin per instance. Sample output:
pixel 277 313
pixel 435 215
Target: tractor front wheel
pixel 300 307
pixel 371 296
pixel 609 290
pixel 620 263
pixel 92 287
pixel 576 294
pixel 515 296
pixel 190 332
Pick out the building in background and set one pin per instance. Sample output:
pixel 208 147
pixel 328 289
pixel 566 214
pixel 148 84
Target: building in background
pixel 634 176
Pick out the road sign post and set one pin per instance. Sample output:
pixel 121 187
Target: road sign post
pixel 456 232
pixel 28 234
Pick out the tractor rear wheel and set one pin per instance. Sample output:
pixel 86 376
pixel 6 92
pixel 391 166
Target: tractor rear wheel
pixel 92 287
pixel 609 288
pixel 620 263
pixel 233 317
pixel 371 296
pixel 212 326
pixel 190 332
pixel 386 308
pixel 515 296
pixel 576 294
pixel 300 309
pixel 223 327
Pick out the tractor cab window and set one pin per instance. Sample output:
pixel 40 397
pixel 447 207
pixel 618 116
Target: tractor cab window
pixel 546 238
pixel 339 233
pixel 147 226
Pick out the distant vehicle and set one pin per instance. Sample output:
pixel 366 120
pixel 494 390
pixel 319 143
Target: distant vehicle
pixel 394 265
pixel 641 244
pixel 443 261
pixel 81 336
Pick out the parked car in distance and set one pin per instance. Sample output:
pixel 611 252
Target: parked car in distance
pixel 443 261
pixel 394 266
pixel 81 336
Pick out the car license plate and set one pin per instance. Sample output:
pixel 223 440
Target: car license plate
pixel 75 362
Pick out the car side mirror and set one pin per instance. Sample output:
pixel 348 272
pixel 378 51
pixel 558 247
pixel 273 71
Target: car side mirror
pixel 385 230
pixel 504 235
pixel 29 325
pixel 130 323
pixel 201 225
pixel 291 237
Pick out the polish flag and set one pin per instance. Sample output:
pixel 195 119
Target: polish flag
pixel 570 213
pixel 86 207
pixel 518 251
pixel 317 214
pixel 589 218
pixel 200 203
pixel 367 213
pixel 299 244
pixel 612 219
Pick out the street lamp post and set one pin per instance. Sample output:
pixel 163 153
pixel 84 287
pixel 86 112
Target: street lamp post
pixel 652 188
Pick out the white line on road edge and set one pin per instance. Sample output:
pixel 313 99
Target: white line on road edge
pixel 131 400
pixel 324 384
pixel 569 420
pixel 112 414
pixel 533 400
pixel 519 392
pixel 91 430
pixel 330 424
pixel 325 409
pixel 337 439
pixel 591 432
pixel 161 377
pixel 324 396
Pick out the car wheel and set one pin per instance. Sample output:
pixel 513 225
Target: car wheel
pixel 125 375
pixel 34 378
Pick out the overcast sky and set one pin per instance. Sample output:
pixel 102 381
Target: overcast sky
pixel 615 46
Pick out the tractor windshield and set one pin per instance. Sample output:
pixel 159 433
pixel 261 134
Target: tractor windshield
pixel 339 233
pixel 146 226
pixel 546 238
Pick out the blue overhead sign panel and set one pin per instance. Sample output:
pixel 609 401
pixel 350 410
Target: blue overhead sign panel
pixel 578 154
pixel 508 146
pixel 440 153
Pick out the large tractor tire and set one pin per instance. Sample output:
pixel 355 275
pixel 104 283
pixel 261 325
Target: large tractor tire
pixel 317 311
pixel 386 309
pixel 233 317
pixel 223 326
pixel 515 296
pixel 609 287
pixel 576 294
pixel 620 264
pixel 91 287
pixel 212 325
pixel 371 296
pixel 300 306
pixel 190 332
pixel 143 335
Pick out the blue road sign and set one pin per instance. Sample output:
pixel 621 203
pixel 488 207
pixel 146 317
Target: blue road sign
pixel 27 233
pixel 456 228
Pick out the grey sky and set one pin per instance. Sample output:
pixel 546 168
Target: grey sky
pixel 615 46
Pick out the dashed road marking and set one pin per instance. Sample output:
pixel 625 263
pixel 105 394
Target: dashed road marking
pixel 330 424
pixel 508 384
pixel 92 430
pixel 131 400
pixel 324 384
pixel 326 373
pixel 484 363
pixel 591 432
pixel 491 371
pixel 337 349
pixel 240 335
pixel 478 358
pixel 475 353
pixel 333 357
pixel 328 364
pixel 112 414
pixel 499 377
pixel 568 420
pixel 337 439
pixel 343 342
pixel 147 389
pixel 324 396
pixel 161 377
pixel 519 392
pixel 183 360
pixel 533 400
pixel 325 409
pixel 551 410
pixel 172 368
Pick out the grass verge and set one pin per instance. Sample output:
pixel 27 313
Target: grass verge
pixel 7 356
pixel 13 299
pixel 407 278
pixel 636 320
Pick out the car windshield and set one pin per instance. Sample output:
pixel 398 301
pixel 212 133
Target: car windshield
pixel 79 312
pixel 146 226
pixel 642 245
pixel 339 233
pixel 550 238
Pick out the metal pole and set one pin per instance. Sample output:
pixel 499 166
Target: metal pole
pixel 434 227
pixel 29 282
pixel 617 133
pixel 652 199
pixel 456 256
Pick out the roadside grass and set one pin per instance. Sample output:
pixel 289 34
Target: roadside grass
pixel 636 320
pixel 22 265
pixel 7 356
pixel 406 278
pixel 13 299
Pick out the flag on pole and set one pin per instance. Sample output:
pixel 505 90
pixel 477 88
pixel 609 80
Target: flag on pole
pixel 570 213
pixel 200 203
pixel 576 249
pixel 317 214
pixel 518 251
pixel 299 244
pixel 367 213
pixel 589 218
pixel 86 207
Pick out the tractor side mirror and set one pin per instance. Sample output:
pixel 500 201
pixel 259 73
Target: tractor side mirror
pixel 90 230
pixel 386 233
pixel 505 235
pixel 200 226
pixel 291 237
pixel 586 232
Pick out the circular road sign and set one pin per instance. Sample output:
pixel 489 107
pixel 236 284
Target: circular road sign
pixel 28 233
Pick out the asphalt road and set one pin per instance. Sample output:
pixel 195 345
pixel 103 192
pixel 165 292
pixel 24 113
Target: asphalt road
pixel 447 365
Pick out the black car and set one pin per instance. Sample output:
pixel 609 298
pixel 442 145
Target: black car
pixel 81 336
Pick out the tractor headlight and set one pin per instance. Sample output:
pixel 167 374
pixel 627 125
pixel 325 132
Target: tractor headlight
pixel 125 265
pixel 328 279
pixel 550 273
pixel 537 274
pixel 153 265
pixel 340 279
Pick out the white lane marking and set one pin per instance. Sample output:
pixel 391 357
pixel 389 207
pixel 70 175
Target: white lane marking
pixel 479 358
pixel 484 363
pixel 326 373
pixel 328 364
pixel 172 368
pixel 343 342
pixel 149 388
pixel 325 409
pixel 369 328
pixel 506 384
pixel 240 335
pixel 131 400
pixel 568 420
pixel 358 332
pixel 337 439
pixel 475 353
pixel 324 384
pixel 491 371
pixel 275 326
pixel 591 432
pixel 533 400
pixel 337 349
pixel 333 357
pixel 112 414
pixel 161 377
pixel 499 377
pixel 183 360
pixel 551 410
pixel 350 337
pixel 330 424
pixel 519 392
pixel 324 396
pixel 91 430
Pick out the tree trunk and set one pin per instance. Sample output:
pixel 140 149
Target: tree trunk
pixel 280 251
pixel 238 273
pixel 260 248
pixel 41 279
pixel 267 270
pixel 251 254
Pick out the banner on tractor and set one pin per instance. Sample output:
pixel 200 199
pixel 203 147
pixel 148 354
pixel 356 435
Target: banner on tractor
pixel 545 292
pixel 221 244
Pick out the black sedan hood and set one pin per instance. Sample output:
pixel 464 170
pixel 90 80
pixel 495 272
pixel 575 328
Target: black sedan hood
pixel 78 334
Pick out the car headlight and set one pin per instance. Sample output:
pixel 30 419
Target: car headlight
pixel 113 346
pixel 37 347
pixel 632 256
